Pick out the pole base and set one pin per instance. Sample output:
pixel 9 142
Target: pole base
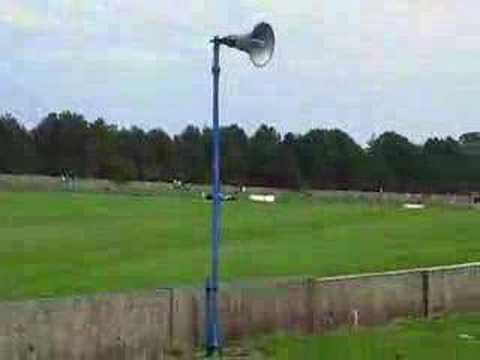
pixel 213 352
pixel 213 340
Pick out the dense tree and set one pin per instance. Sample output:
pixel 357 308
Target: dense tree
pixel 470 143
pixel 234 146
pixel 102 151
pixel 395 163
pixel 61 143
pixel 162 153
pixel 191 164
pixel 17 154
pixel 330 159
pixel 263 151
pixel 470 146
pixel 320 158
pixel 288 172
pixel 134 150
pixel 442 159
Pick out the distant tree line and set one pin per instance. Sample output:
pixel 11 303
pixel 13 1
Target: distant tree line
pixel 325 159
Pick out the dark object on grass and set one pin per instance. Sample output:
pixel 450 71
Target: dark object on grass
pixel 223 197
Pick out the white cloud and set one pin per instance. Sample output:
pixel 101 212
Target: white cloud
pixel 24 17
pixel 339 59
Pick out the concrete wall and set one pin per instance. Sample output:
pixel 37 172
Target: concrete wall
pixel 368 300
pixel 101 327
pixel 170 323
pixel 454 289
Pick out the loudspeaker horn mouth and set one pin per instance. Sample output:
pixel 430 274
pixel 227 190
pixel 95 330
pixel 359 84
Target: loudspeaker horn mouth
pixel 259 44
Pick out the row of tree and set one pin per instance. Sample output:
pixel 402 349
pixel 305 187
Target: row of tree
pixel 318 159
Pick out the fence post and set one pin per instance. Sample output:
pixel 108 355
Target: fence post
pixel 426 293
pixel 310 289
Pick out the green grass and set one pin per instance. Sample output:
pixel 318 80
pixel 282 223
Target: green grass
pixel 453 338
pixel 54 244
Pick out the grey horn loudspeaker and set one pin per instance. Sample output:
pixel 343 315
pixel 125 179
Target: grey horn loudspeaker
pixel 259 43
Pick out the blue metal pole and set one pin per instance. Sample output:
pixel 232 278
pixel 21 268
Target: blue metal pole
pixel 214 343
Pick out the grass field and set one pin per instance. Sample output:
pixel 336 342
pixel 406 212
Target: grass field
pixel 454 338
pixel 54 244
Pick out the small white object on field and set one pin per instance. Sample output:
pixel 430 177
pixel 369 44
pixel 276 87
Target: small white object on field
pixel 466 337
pixel 413 206
pixel 262 198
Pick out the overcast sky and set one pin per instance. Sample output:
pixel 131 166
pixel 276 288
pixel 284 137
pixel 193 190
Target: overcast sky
pixel 363 66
